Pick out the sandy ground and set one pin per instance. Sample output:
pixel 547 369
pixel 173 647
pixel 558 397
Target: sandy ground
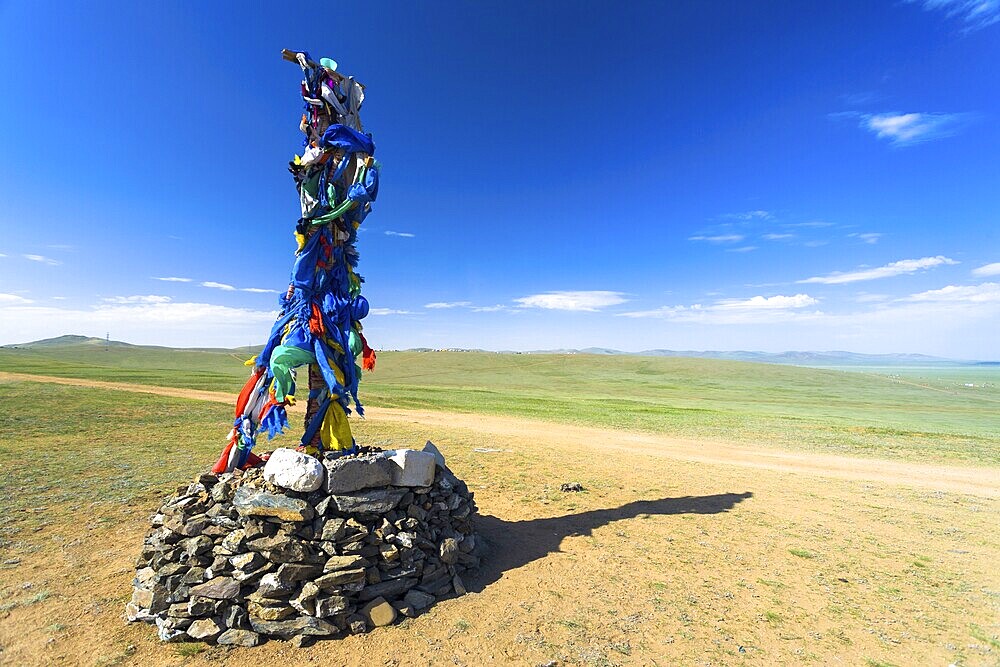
pixel 678 552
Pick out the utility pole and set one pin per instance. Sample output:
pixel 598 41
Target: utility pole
pixel 107 342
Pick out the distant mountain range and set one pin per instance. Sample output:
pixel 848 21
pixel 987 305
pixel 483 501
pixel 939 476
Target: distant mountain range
pixel 832 358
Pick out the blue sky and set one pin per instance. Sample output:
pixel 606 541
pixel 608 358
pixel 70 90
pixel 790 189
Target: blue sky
pixel 728 175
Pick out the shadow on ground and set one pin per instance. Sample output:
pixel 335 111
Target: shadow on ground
pixel 513 544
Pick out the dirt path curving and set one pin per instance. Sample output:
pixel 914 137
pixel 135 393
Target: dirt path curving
pixel 977 481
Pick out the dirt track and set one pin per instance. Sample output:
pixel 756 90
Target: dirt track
pixel 977 481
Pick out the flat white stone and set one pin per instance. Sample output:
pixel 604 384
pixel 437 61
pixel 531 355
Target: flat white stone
pixel 411 467
pixel 293 470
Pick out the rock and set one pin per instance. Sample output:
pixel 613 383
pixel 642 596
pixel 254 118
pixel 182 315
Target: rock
pixel 205 629
pixel 329 606
pixel 333 528
pixel 233 542
pixel 410 467
pixel 336 563
pixel 293 470
pixel 353 474
pixel 302 625
pixel 251 502
pixel 386 589
pixel 134 612
pixel 235 617
pixel 449 551
pixel 379 613
pixel 571 487
pixel 458 585
pixel 153 600
pixel 340 578
pixel 418 599
pixel 284 549
pixel 271 586
pixel 220 588
pixel 237 637
pixel 290 573
pixel 247 562
pixel 438 456
pixel 201 606
pixel 267 613
pixel 305 601
pixel 302 641
pixel 372 501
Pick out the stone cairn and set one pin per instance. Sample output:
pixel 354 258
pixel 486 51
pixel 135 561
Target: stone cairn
pixel 302 549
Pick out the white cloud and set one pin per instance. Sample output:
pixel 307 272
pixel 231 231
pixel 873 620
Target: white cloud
pixel 173 279
pixel 865 297
pixel 405 235
pixel 718 238
pixel 566 300
pixel 157 323
pixel 490 309
pixel 975 13
pixel 987 270
pixel 215 285
pixel 816 224
pixel 778 237
pixel 12 299
pixel 447 304
pixel 870 238
pixel 982 293
pixel 259 290
pixel 43 259
pixel 755 310
pixel 904 129
pixel 746 248
pixel 778 302
pixel 899 268
pixel 148 298
pixel 2 255
pixel 59 298
pixel 750 215
pixel 389 311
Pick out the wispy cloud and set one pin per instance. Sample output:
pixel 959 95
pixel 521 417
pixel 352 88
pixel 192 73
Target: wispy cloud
pixel 173 279
pixel 987 270
pixel 568 300
pixel 746 248
pixel 42 259
pixel 11 299
pixel 390 311
pixel 755 310
pixel 907 129
pixel 750 215
pixel 61 246
pixel 405 235
pixel 870 238
pixel 778 302
pixel 221 286
pixel 259 290
pixel 490 309
pixel 447 304
pixel 147 298
pixel 811 224
pixel 982 293
pixel 777 237
pixel 718 238
pixel 161 323
pixel 976 14
pixel 899 268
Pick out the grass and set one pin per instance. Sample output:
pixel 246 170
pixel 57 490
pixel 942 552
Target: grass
pixel 801 553
pixel 926 415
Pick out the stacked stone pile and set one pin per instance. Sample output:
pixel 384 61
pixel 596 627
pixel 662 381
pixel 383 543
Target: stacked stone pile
pixel 301 548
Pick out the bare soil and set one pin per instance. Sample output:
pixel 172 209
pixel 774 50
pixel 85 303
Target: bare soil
pixel 677 552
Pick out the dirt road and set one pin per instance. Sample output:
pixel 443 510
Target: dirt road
pixel 958 479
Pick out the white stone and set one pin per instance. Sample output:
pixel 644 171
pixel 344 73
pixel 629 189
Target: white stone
pixel 293 470
pixel 411 467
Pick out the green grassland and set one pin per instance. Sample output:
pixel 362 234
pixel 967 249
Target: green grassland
pixel 917 414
